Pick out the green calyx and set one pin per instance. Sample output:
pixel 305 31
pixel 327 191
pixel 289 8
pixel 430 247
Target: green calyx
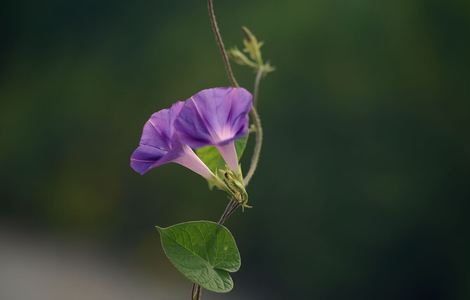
pixel 235 187
pixel 232 183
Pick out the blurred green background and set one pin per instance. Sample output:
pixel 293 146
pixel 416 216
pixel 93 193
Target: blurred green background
pixel 364 185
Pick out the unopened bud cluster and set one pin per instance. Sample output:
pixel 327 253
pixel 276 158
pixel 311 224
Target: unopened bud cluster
pixel 251 54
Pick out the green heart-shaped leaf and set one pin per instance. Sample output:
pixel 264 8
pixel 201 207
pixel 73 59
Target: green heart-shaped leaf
pixel 205 252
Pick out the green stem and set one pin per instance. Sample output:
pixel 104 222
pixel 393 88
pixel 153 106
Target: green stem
pixel 259 75
pixel 258 144
pixel 220 43
pixel 196 293
pixel 259 131
pixel 231 207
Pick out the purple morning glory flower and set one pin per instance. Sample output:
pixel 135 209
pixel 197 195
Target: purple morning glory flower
pixel 217 117
pixel 159 145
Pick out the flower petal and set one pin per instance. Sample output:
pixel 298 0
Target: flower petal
pixel 147 157
pixel 190 160
pixel 214 116
pixel 157 144
pixel 159 129
pixel 229 153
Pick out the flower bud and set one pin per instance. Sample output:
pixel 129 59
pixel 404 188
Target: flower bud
pixel 252 46
pixel 240 58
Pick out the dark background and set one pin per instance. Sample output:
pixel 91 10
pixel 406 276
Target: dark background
pixel 363 187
